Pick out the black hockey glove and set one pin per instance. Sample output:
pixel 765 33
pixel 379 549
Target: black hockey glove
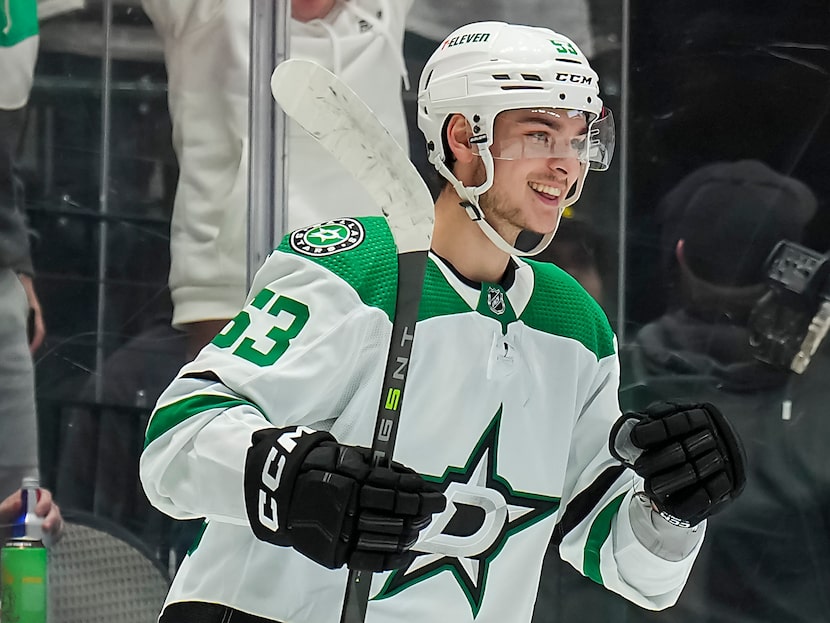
pixel 327 501
pixel 689 456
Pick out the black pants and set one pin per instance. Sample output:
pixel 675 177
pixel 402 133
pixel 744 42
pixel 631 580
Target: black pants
pixel 200 612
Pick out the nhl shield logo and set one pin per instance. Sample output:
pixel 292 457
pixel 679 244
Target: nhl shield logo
pixel 495 300
pixel 328 238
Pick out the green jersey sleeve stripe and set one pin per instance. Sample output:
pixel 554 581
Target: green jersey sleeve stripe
pixel 597 535
pixel 198 538
pixel 174 414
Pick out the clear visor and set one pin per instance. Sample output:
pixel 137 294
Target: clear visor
pixel 557 133
pixel 602 135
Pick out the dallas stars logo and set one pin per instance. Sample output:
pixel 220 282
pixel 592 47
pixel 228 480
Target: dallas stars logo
pixel 328 238
pixel 483 512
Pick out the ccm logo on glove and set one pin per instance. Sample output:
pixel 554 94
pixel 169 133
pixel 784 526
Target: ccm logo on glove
pixel 272 471
pixel 690 458
pixel 327 500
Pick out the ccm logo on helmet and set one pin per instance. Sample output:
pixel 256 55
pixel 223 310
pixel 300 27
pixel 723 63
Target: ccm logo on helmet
pixel 579 79
pixel 272 474
pixel 475 37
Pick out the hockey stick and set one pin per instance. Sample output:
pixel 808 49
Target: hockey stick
pixel 337 118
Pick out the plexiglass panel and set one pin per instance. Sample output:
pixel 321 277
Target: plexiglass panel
pixel 723 142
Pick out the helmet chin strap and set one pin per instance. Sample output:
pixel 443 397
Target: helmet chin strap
pixel 469 201
pixel 541 240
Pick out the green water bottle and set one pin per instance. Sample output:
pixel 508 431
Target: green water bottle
pixel 23 563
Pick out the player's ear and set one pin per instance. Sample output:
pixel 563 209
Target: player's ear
pixel 458 139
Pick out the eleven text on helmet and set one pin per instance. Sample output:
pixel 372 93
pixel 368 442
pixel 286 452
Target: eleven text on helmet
pixel 470 38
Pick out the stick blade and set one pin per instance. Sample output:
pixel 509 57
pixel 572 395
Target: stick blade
pixel 346 127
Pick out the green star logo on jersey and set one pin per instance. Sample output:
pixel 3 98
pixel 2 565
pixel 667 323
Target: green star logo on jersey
pixel 483 512
pixel 328 238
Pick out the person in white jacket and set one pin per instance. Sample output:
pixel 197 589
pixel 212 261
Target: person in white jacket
pixel 510 432
pixel 19 306
pixel 432 19
pixel 206 47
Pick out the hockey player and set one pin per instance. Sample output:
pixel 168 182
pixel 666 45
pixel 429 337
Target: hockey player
pixel 511 416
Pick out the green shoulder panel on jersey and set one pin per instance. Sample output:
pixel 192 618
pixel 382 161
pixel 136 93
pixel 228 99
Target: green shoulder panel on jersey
pixel 361 251
pixel 172 415
pixel 439 298
pixel 560 306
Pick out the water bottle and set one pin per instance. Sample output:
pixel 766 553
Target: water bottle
pixel 23 563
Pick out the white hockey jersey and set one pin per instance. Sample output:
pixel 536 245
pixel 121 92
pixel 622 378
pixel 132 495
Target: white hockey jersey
pixel 510 397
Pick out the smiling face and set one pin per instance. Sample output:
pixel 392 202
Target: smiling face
pixel 537 160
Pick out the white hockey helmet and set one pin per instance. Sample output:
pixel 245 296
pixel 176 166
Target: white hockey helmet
pixel 484 68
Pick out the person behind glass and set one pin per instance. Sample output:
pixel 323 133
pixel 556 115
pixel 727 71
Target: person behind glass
pixel 206 47
pixel 768 558
pixel 510 430
pixel 21 320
